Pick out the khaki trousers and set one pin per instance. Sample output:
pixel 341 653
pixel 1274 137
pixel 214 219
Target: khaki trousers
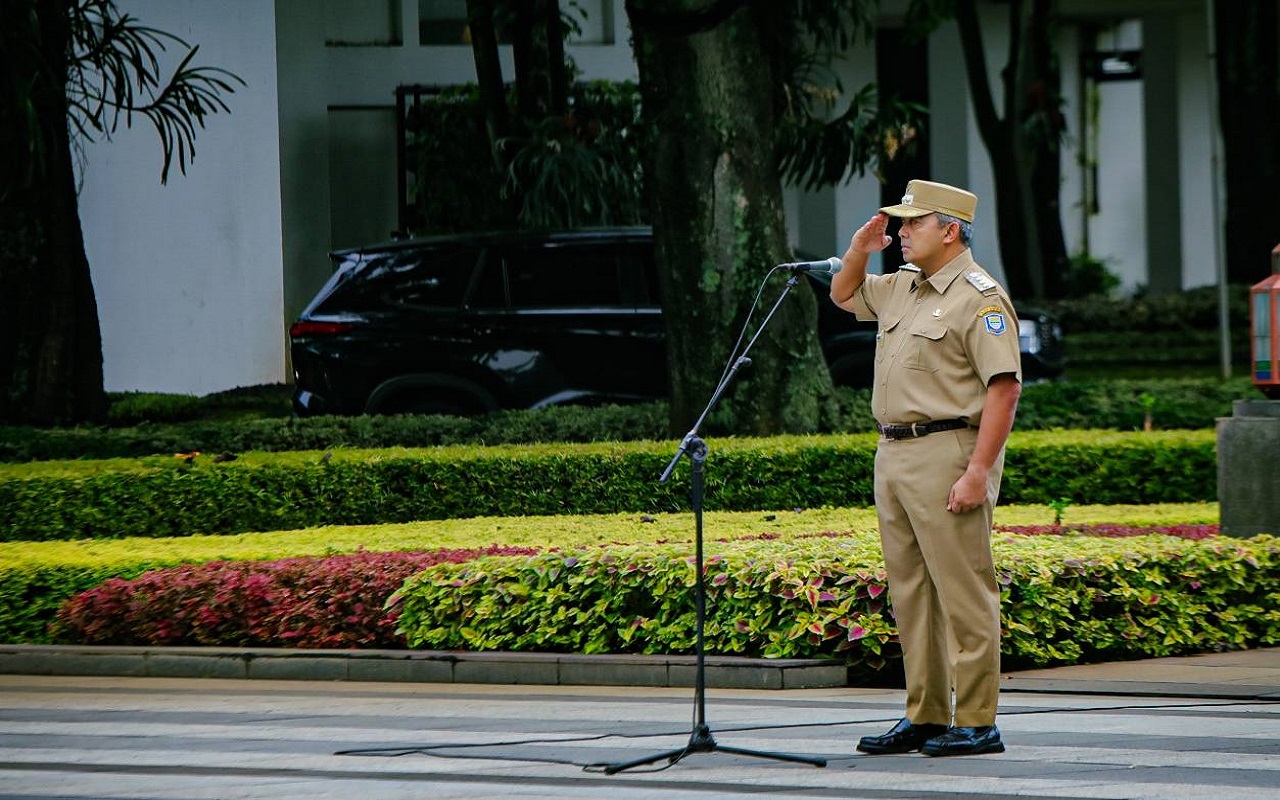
pixel 942 580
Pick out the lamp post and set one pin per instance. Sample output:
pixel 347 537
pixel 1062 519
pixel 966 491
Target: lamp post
pixel 1264 330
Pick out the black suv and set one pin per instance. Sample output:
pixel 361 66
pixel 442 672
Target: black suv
pixel 473 323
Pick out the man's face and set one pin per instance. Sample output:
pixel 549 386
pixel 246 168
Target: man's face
pixel 921 239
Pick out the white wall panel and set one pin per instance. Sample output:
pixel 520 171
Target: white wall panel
pixel 188 275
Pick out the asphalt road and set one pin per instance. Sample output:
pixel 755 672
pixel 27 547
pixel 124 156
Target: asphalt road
pixel 163 738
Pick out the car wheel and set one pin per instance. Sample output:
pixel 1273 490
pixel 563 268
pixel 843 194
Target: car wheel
pixel 442 395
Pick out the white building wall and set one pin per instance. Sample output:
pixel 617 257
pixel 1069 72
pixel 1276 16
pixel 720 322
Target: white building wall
pixel 1072 202
pixel 1116 232
pixel 188 275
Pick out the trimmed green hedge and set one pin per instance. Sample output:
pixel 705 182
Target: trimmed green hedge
pixel 277 434
pixel 1095 405
pixel 1066 599
pixel 183 496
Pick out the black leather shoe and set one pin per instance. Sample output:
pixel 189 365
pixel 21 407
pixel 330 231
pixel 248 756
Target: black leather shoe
pixel 965 742
pixel 902 738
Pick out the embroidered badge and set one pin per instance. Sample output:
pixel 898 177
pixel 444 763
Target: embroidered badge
pixel 994 322
pixel 980 282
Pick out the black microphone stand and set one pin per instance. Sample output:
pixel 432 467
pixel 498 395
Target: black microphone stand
pixel 701 740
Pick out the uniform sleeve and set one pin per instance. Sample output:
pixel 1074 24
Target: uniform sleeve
pixel 991 339
pixel 870 296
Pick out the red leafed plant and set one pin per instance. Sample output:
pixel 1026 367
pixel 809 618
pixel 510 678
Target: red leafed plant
pixel 1114 531
pixel 314 602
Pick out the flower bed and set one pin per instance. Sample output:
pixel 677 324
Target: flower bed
pixel 1066 598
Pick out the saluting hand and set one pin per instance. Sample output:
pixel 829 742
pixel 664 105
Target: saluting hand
pixel 871 237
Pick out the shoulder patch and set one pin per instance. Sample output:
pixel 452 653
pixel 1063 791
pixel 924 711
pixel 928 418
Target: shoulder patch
pixel 980 282
pixel 993 320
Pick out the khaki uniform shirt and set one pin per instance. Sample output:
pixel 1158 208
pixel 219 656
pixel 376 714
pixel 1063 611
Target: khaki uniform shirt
pixel 940 341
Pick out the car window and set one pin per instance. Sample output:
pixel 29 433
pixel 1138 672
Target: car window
pixel 564 276
pixel 490 289
pixel 640 271
pixel 435 277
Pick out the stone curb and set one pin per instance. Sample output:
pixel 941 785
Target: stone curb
pixel 722 672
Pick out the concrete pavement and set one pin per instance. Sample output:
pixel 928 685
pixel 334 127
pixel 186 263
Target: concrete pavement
pixel 1199 726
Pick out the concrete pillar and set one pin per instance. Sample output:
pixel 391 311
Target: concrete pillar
pixel 1249 468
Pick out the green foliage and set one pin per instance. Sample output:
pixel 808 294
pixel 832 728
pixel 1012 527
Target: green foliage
pixel 1077 599
pixel 33 593
pixel 1178 312
pixel 577 170
pixel 815 149
pixel 1087 467
pixel 456 186
pixel 110 72
pixel 280 433
pixel 173 496
pixel 1065 599
pixel 1122 404
pixel 583 169
pixel 1059 507
pixel 136 408
pixel 36 577
pixel 1089 277
pixel 763 598
pixel 1115 405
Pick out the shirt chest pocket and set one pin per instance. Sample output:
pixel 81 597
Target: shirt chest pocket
pixel 925 348
pixel 888 335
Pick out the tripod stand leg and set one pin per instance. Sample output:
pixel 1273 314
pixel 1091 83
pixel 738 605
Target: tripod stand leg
pixel 701 741
pixel 817 762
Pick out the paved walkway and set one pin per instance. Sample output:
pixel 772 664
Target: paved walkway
pixel 1204 726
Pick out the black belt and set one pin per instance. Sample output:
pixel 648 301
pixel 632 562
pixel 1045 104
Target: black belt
pixel 915 429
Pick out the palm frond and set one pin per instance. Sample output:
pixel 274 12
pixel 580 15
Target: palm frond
pixel 115 72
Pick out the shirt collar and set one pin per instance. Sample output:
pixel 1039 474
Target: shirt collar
pixel 944 277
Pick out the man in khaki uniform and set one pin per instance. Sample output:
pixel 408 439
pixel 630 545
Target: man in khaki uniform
pixel 947 379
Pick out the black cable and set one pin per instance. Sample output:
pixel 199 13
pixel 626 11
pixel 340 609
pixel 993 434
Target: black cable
pixel 431 750
pixel 746 324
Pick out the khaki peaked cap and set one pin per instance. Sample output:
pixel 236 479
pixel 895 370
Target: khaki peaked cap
pixel 927 197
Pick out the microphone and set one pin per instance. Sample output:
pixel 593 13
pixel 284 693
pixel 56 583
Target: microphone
pixel 830 266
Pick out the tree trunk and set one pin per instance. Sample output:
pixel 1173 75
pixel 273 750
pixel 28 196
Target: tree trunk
pixel 557 69
pixel 493 93
pixel 1249 107
pixel 1043 117
pixel 51 363
pixel 715 195
pixel 1023 146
